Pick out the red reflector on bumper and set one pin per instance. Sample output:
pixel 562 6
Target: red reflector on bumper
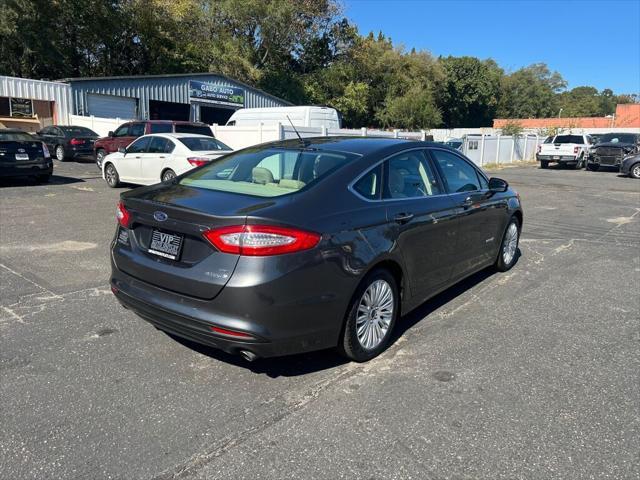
pixel 231 333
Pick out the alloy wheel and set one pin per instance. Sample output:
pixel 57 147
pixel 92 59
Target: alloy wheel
pixel 374 315
pixel 111 175
pixel 60 153
pixel 168 175
pixel 510 244
pixel 635 171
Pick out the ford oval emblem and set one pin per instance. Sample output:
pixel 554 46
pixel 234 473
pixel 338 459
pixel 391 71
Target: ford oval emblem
pixel 160 216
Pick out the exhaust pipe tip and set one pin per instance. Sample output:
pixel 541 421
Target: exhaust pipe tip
pixel 248 356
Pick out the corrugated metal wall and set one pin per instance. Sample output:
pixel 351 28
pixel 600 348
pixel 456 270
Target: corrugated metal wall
pixel 166 89
pixel 60 93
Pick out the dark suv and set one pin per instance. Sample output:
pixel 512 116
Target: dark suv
pixel 612 149
pixel 128 132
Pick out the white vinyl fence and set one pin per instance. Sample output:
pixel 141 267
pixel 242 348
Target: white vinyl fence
pixel 484 149
pixel 102 126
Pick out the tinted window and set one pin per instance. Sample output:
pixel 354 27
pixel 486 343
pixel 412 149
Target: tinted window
pixel 569 139
pixel 197 129
pixel 136 130
pixel 369 185
pixel 157 145
pixel 168 148
pixel 267 172
pixel 78 131
pixel 409 175
pixel 618 138
pixel 46 131
pixel 122 131
pixel 200 144
pixel 484 185
pixel 161 127
pixel 459 174
pixel 139 146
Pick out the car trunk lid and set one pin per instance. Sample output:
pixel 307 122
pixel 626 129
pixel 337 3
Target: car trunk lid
pixel 20 152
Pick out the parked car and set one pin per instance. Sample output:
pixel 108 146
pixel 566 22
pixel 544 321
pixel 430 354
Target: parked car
pixel 68 142
pixel 300 116
pixel 128 132
pixel 565 150
pixel 612 148
pixel 631 166
pixel 455 143
pixel 160 157
pixel 298 245
pixel 24 155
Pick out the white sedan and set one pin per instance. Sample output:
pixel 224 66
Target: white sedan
pixel 159 157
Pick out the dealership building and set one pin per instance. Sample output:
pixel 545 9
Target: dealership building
pixel 205 97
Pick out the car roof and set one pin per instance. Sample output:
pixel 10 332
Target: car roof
pixel 172 122
pixel 12 130
pixel 358 145
pixel 177 135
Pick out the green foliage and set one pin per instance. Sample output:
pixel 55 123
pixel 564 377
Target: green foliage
pixel 301 50
pixel 512 128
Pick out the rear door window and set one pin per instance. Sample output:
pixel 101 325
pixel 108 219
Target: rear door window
pixel 161 127
pixel 459 175
pixel 136 129
pixel 409 175
pixel 157 145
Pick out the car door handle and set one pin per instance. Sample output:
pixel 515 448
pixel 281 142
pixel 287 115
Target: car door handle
pixel 136 157
pixel 403 217
pixel 467 202
pixel 161 156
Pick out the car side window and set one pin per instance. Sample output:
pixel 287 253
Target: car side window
pixel 169 146
pixel 459 174
pixel 484 185
pixel 157 145
pixel 136 130
pixel 409 175
pixel 45 131
pixel 122 131
pixel 140 146
pixel 370 184
pixel 161 127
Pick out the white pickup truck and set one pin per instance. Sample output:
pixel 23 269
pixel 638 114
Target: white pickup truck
pixel 565 149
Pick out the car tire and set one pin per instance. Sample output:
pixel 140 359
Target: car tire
pixel 593 167
pixel 579 164
pixel 111 175
pixel 371 317
pixel 100 154
pixel 508 253
pixel 43 178
pixel 544 164
pixel 634 171
pixel 60 153
pixel 168 175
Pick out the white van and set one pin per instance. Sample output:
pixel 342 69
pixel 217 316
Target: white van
pixel 305 116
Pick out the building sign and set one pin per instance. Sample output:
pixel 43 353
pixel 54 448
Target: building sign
pixel 218 94
pixel 21 107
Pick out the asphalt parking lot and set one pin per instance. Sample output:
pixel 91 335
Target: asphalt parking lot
pixel 531 373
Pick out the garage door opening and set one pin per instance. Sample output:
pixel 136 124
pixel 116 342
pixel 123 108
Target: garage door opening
pixel 168 110
pixel 211 115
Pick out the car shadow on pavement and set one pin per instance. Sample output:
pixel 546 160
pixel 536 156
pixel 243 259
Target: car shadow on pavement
pixel 304 363
pixel 30 182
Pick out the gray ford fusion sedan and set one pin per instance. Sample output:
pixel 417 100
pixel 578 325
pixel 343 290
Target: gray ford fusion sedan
pixel 308 244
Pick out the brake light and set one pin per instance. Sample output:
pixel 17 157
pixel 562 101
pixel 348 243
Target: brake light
pixel 539 148
pixel 76 141
pixel 231 333
pixel 122 215
pixel 575 149
pixel 260 240
pixel 45 151
pixel 198 161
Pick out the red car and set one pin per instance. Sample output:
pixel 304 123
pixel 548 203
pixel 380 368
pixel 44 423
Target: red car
pixel 128 132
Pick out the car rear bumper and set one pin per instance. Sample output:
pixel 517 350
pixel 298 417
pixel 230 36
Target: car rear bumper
pixel 80 152
pixel 278 326
pixel 24 170
pixel 557 158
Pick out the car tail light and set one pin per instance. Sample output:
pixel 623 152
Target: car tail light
pixel 76 141
pixel 231 333
pixel 575 149
pixel 539 148
pixel 260 240
pixel 198 161
pixel 45 151
pixel 123 215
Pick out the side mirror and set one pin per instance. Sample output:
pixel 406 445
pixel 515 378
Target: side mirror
pixel 122 150
pixel 110 134
pixel 498 185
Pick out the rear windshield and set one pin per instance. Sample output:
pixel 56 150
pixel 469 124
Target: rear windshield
pixel 200 144
pixel 618 138
pixel 266 172
pixel 16 137
pixel 569 139
pixel 79 131
pixel 197 129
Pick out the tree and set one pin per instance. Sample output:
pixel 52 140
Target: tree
pixel 415 109
pixel 470 93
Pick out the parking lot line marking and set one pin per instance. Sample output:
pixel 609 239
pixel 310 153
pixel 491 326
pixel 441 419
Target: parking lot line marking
pixel 30 281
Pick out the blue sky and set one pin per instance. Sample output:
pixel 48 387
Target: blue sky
pixel 590 42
